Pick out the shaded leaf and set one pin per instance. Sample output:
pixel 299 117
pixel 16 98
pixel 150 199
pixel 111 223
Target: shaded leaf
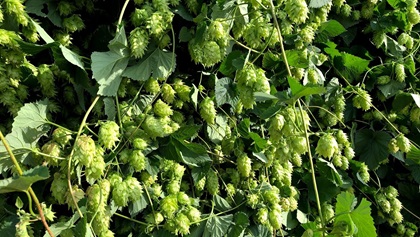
pixel 220 203
pixel 372 147
pixel 240 223
pixel 110 108
pixel 259 231
pixel 217 226
pixel 157 64
pixel 108 67
pixel 137 206
pixel 186 132
pixel 318 3
pixel 227 67
pixel 226 92
pixel 217 131
pixel 23 182
pixel 189 153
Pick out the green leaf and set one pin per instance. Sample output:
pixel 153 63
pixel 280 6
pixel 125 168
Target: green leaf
pixel 416 98
pixel 414 155
pixel 270 60
pixel 259 142
pixel 110 108
pixel 33 49
pixel 217 226
pixel 158 64
pixel 184 35
pixel 260 156
pixel 23 182
pixel 220 203
pixel 72 57
pixel 331 28
pixel 44 35
pixel 108 67
pixel 295 58
pixel 38 7
pixel 243 127
pixel 198 173
pixel 19 203
pixel 240 223
pixel 360 216
pixel 372 147
pixel 137 206
pixel 83 228
pixel 58 227
pixel 326 189
pixel 318 3
pixel 350 66
pixel 401 101
pixel 32 115
pixel 259 231
pixel 392 88
pixel 299 90
pixel 227 67
pixel 261 96
pixel 28 127
pixel 216 132
pixel 187 132
pixel 226 92
pixel 192 154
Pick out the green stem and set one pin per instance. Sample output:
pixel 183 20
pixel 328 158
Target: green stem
pixel 82 125
pixel 318 202
pixel 30 203
pixel 122 14
pixel 31 192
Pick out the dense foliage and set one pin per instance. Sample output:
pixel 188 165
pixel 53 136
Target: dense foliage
pixel 209 118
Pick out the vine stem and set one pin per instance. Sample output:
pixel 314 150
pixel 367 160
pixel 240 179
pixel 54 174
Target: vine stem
pixel 301 112
pixel 31 192
pixel 82 125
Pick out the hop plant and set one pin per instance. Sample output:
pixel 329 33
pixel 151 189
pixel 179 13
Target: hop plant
pixel 137 160
pixel 139 39
pixel 84 150
pixel 399 72
pixel 109 133
pixel 59 187
pixel 244 165
pixel 208 110
pixel 212 182
pixel 168 93
pixel 364 173
pixel 169 205
pixel 327 146
pixel 362 99
pixel 208 53
pixel 403 143
pixel 217 29
pixel 53 150
pixel 152 86
pixel 61 136
pixel 162 109
pixel 73 23
pixel 297 11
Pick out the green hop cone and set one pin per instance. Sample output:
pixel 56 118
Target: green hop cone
pixel 109 133
pixel 139 39
pixel 59 187
pixel 208 110
pixel 53 150
pixel 362 100
pixel 327 146
pixel 135 189
pixel 244 165
pixel 152 86
pixel 84 150
pixel 403 143
pixel 62 136
pixel 137 160
pixel 162 109
pixel 212 182
pixel 275 218
pixel 168 93
pixel 400 72
pixel 169 205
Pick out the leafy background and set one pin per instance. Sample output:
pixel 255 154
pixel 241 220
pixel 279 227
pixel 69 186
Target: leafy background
pixel 77 65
